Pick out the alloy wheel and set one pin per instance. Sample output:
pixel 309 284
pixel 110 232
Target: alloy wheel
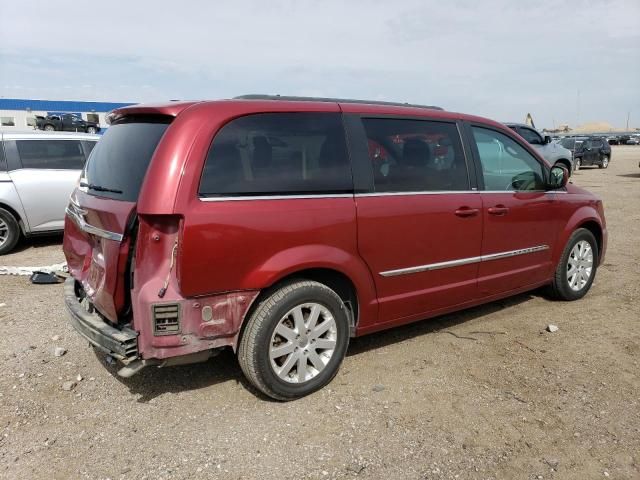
pixel 579 265
pixel 4 232
pixel 303 342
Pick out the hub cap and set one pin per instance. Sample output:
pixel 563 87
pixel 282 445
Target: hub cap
pixel 4 232
pixel 303 342
pixel 579 265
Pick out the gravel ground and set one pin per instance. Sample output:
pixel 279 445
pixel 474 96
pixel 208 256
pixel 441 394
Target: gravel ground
pixel 481 394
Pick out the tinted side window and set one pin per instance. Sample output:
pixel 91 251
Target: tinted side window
pixel 51 154
pixel 530 136
pixel 278 153
pixel 415 155
pixel 505 164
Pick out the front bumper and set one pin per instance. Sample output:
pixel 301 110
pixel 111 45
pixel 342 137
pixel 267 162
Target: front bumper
pixel 121 344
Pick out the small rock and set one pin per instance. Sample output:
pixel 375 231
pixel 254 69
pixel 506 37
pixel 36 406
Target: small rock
pixel 68 386
pixel 3 305
pixel 378 388
pixel 79 378
pixel 606 474
pixel 59 351
pixel 92 379
pixel 552 328
pixel 55 338
pixel 552 462
pixel 355 468
pixel 110 360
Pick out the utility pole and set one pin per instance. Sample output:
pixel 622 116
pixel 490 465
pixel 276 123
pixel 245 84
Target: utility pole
pixel 628 114
pixel 578 110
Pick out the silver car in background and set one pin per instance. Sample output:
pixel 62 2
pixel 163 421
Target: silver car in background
pixel 38 172
pixel 552 152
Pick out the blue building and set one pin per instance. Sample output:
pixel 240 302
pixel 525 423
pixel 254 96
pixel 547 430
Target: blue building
pixel 20 114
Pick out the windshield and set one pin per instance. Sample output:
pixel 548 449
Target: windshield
pixel 119 162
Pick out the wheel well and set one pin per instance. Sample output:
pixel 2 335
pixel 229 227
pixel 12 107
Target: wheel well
pixel 335 280
pixel 15 215
pixel 594 228
pixel 565 162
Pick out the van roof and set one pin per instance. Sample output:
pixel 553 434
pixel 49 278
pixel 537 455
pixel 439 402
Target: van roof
pixel 266 103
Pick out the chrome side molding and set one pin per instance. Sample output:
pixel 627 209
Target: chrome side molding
pixel 463 261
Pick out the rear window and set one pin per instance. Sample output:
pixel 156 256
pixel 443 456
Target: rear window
pixel 278 154
pixel 118 163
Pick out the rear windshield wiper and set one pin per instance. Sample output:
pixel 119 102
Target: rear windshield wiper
pixel 99 188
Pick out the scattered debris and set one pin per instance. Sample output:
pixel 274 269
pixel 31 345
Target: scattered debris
pixel 59 351
pixel 79 378
pixel 55 338
pixel 378 387
pixel 3 305
pixel 552 328
pixel 45 278
pixel 57 267
pixel 68 386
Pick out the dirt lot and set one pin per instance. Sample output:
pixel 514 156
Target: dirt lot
pixel 482 394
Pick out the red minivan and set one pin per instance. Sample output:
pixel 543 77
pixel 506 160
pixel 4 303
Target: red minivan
pixel 283 226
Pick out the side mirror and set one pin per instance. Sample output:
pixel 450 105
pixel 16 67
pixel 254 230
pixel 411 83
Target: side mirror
pixel 547 139
pixel 558 177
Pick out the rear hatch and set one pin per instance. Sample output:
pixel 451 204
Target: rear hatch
pixel 100 225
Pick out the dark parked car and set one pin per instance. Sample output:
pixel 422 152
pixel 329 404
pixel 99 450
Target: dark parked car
pixel 66 123
pixel 280 229
pixel 588 151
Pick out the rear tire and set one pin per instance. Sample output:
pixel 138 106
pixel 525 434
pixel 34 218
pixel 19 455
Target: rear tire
pixel 9 231
pixel 281 351
pixel 91 129
pixel 577 267
pixel 604 162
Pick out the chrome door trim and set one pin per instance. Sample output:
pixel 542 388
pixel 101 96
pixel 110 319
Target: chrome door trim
pixel 274 197
pixel 86 227
pixel 463 261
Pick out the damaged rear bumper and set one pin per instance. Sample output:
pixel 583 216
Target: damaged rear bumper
pixel 121 344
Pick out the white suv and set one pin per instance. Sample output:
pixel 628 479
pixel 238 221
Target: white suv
pixel 38 172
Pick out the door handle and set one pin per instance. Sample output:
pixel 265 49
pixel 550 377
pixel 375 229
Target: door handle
pixel 498 210
pixel 467 212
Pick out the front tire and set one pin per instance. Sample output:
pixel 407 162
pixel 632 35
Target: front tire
pixel 577 267
pixel 91 130
pixel 295 340
pixel 9 231
pixel 49 128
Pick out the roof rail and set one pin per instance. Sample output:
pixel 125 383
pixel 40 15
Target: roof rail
pixel 331 100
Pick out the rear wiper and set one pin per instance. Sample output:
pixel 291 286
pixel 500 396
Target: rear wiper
pixel 99 188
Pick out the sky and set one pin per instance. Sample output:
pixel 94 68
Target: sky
pixel 563 61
